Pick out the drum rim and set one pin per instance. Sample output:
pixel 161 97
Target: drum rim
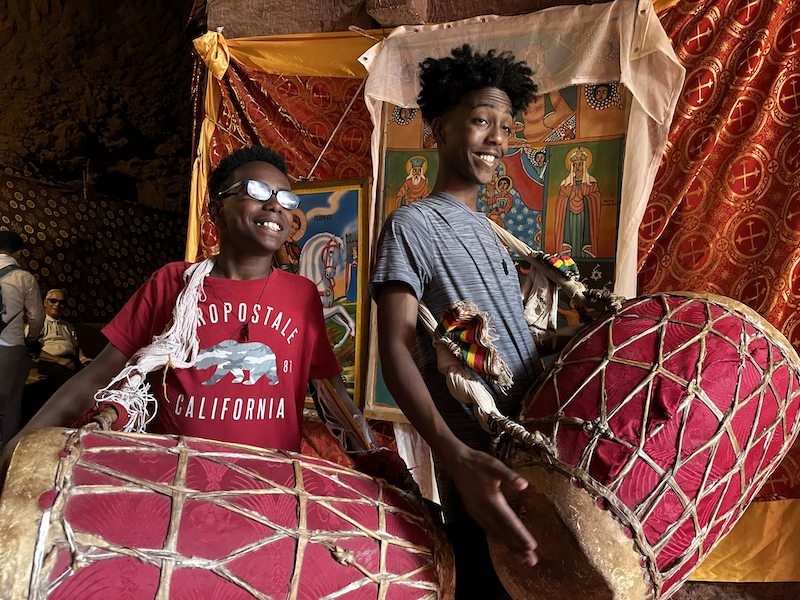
pixel 66 447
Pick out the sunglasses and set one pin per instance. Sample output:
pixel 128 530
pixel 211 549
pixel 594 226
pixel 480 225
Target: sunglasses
pixel 258 190
pixel 51 301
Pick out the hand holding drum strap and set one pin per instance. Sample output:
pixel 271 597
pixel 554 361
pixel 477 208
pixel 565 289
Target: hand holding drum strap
pixel 106 416
pixel 346 423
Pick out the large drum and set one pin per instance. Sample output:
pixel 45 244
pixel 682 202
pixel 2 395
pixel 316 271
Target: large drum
pixel 657 426
pixel 110 515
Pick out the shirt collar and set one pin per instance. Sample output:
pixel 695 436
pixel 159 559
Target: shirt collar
pixel 7 259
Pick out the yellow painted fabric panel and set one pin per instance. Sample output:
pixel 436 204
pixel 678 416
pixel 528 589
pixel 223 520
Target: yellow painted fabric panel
pixel 764 546
pixel 321 54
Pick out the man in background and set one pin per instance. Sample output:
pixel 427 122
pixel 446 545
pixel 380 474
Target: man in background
pixel 61 356
pixel 20 303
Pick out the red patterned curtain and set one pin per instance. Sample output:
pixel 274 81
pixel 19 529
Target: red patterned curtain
pixel 724 213
pixel 319 124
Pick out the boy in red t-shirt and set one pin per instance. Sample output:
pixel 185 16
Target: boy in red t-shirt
pixel 261 330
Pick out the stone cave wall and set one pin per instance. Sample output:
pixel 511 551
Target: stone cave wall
pixel 99 89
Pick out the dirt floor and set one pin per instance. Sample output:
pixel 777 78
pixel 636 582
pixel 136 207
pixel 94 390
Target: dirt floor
pixel 738 591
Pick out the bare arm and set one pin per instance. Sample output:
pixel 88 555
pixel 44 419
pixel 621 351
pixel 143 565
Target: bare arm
pixel 478 476
pixel 72 399
pixel 56 359
pixel 34 313
pixel 83 358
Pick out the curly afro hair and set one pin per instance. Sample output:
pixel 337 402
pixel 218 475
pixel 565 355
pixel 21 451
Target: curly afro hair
pixel 445 81
pixel 238 158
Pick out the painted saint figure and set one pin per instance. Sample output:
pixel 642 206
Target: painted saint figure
pixel 540 164
pixel 503 200
pixel 351 284
pixel 415 187
pixel 489 189
pixel 578 208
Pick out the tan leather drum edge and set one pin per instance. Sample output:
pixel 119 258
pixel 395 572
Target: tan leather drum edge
pixel 582 550
pixel 33 469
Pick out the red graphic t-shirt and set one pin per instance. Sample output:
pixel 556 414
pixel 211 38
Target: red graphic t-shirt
pixel 246 387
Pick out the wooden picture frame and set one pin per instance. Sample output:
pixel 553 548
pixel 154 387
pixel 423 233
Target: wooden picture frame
pixel 328 240
pixel 378 402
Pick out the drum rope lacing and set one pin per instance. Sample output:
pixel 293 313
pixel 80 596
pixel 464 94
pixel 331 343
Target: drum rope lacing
pixel 376 520
pixel 598 428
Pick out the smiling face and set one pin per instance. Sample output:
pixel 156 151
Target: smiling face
pixel 472 137
pixel 249 226
pixel 54 304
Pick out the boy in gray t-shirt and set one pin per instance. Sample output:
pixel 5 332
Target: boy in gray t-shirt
pixel 438 251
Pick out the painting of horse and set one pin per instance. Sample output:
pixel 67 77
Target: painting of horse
pixel 322 257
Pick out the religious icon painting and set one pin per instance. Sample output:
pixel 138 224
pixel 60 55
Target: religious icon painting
pixel 581 210
pixel 603 109
pixel 514 197
pixel 325 247
pixel 582 199
pixel 405 127
pixel 551 117
pixel 408 177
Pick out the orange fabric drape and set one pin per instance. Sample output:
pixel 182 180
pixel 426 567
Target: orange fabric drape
pixel 724 213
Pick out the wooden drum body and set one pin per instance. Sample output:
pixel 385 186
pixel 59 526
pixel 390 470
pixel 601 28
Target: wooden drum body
pixel 660 424
pixel 116 516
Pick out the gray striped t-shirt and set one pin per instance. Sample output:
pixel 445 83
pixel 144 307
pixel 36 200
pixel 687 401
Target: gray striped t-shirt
pixel 446 252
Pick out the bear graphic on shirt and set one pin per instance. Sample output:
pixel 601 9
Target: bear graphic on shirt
pixel 234 357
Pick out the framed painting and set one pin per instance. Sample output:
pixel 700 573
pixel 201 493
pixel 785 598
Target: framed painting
pixel 325 246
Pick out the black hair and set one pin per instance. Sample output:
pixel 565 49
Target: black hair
pixel 445 81
pixel 538 152
pixel 238 158
pixel 10 241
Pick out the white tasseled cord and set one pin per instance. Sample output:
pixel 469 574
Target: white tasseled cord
pixel 178 348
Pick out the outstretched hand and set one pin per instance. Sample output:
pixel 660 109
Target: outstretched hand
pixel 481 479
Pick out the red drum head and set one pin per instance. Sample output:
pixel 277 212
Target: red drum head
pixel 671 414
pixel 110 515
